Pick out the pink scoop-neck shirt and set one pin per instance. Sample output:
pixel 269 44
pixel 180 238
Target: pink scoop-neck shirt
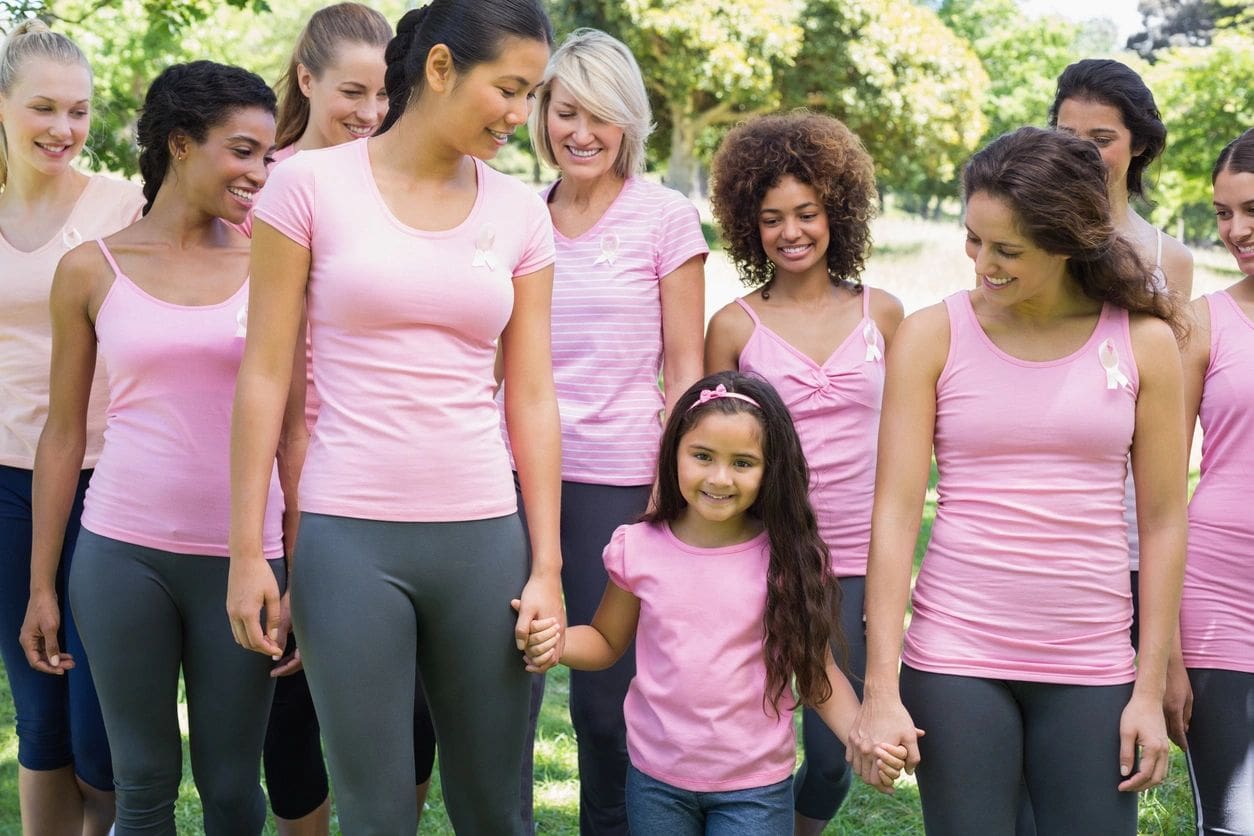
pixel 1026 576
pixel 404 325
pixel 695 710
pixel 1217 608
pixel 836 408
pixel 105 206
pixel 163 480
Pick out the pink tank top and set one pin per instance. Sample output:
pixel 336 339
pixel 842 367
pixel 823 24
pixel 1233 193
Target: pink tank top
pixel 1217 608
pixel 836 408
pixel 1026 575
pixel 163 479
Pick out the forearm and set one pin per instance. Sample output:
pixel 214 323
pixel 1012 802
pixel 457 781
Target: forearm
pixel 679 372
pixel 587 649
pixel 1161 577
pixel 839 710
pixel 535 437
pixel 58 466
pixel 887 595
pixel 255 432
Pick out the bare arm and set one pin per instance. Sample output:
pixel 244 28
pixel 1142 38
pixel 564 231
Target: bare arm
pixel 59 455
pixel 728 332
pixel 597 646
pixel 683 327
pixel 276 296
pixel 535 436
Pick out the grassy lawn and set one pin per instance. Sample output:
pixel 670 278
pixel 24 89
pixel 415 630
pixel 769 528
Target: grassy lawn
pixel 918 261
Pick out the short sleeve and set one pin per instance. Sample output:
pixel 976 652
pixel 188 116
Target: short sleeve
pixel 679 235
pixel 538 250
pixel 287 201
pixel 615 558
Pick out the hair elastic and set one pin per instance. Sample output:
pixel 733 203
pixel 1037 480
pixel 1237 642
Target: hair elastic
pixel 720 391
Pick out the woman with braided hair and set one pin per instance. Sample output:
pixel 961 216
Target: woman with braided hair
pixel 414 260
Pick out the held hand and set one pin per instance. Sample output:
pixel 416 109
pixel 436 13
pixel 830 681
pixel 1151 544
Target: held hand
pixel 251 590
pixel 881 721
pixel 1178 702
pixel 289 663
pixel 541 599
pixel 1142 727
pixel 541 652
pixel 39 635
pixel 890 761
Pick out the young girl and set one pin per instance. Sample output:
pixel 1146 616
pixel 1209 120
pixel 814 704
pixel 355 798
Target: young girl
pixel 47 207
pixel 164 304
pixel 794 195
pixel 729 583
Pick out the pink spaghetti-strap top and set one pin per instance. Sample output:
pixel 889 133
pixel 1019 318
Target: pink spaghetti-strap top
pixel 1026 575
pixel 1217 608
pixel 836 408
pixel 163 479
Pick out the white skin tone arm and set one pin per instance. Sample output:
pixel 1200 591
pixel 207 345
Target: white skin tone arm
pixel 683 324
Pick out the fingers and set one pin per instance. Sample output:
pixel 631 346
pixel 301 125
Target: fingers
pixel 912 756
pixel 1155 758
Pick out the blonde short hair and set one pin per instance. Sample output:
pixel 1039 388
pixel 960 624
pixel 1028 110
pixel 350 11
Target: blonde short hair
pixel 604 78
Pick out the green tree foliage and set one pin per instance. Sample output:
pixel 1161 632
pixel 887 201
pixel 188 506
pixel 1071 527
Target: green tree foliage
pixel 901 80
pixel 1178 23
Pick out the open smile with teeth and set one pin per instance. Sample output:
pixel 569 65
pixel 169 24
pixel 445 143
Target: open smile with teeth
pixel 716 497
pixel 583 153
pixel 53 149
pixel 358 130
pixel 1244 249
pixel 999 282
pixel 795 249
pixel 245 196
pixel 500 137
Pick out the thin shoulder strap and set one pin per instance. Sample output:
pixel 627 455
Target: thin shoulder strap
pixel 117 271
pixel 1158 256
pixel 866 302
pixel 740 300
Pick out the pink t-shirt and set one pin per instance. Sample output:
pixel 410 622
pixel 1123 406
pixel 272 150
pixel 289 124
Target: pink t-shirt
pixel 164 476
pixel 1217 608
pixel 695 711
pixel 836 408
pixel 607 331
pixel 105 206
pixel 404 325
pixel 1026 576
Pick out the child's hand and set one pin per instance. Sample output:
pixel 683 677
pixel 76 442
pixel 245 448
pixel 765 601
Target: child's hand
pixel 541 647
pixel 889 760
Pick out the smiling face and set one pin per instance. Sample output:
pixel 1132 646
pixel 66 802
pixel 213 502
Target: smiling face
pixel 223 174
pixel 584 146
pixel 1234 212
pixel 349 100
pixel 1101 124
pixel 720 468
pixel 792 224
pixel 1009 267
pixel 46 115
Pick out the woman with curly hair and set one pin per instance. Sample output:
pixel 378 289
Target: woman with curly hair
pixel 1032 389
pixel 794 195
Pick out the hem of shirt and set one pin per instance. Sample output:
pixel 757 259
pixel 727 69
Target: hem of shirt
pixel 751 781
pixel 1013 675
pixel 1193 662
pixel 271 552
pixel 24 463
pixel 849 571
pixel 618 482
pixel 408 515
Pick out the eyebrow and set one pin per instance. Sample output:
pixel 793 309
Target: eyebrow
pixel 251 140
pixel 520 80
pixel 51 99
pixel 808 204
pixel 998 243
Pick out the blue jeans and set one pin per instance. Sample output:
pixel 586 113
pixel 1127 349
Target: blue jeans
pixel 657 807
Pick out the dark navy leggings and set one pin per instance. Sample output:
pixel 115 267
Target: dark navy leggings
pixel 58 717
pixel 988 738
pixel 1221 750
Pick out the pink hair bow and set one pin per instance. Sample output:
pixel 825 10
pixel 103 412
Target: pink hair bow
pixel 720 391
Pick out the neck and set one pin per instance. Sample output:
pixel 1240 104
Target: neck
pixel 28 187
pixel 1062 299
pixel 584 194
pixel 695 531
pixel 814 286
pixel 1121 211
pixel 413 147
pixel 175 220
pixel 310 140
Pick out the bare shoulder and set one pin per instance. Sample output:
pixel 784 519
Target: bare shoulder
pixel 923 337
pixel 1153 343
pixel 1177 266
pixel 731 322
pixel 81 269
pixel 885 307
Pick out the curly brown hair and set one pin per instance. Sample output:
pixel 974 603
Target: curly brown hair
pixel 817 150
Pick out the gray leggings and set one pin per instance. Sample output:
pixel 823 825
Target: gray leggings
pixel 1221 750
pixel 987 737
pixel 143 614
pixel 373 602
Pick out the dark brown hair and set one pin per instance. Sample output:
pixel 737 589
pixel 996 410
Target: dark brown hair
pixel 1237 156
pixel 801 593
pixel 818 151
pixel 1054 184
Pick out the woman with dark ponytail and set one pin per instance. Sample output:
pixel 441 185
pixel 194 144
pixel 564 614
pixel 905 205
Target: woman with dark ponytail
pixel 414 260
pixel 47 206
pixel 1032 389
pixel 164 302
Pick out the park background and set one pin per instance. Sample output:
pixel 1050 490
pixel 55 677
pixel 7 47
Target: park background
pixel 924 84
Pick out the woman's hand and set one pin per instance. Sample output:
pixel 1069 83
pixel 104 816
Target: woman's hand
pixel 882 721
pixel 1141 727
pixel 1178 701
pixel 39 635
pixel 251 589
pixel 541 599
pixel 290 662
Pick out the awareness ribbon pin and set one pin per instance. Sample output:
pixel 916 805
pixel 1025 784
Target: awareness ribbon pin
pixel 484 257
pixel 873 352
pixel 1109 355
pixel 609 249
pixel 241 321
pixel 71 237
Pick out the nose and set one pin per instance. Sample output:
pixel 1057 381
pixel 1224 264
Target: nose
pixel 791 229
pixel 371 111
pixel 520 109
pixel 60 126
pixel 1242 227
pixel 583 129
pixel 983 259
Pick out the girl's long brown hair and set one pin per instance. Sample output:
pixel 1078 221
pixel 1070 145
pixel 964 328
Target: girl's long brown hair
pixel 802 597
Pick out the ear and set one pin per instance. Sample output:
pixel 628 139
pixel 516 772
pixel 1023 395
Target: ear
pixel 439 71
pixel 179 144
pixel 304 80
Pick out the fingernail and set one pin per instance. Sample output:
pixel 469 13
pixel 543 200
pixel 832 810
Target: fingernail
pixel 54 660
pixel 1123 769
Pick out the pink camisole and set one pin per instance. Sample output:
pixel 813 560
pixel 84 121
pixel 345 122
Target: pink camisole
pixel 1026 575
pixel 163 479
pixel 1217 609
pixel 836 409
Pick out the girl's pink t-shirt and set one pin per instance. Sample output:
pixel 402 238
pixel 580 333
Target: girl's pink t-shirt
pixel 836 408
pixel 1217 607
pixel 105 206
pixel 1026 576
pixel 607 331
pixel 695 710
pixel 404 325
pixel 164 476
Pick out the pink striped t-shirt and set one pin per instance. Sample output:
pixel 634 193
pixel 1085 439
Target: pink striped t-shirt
pixel 607 331
pixel 1217 607
pixel 404 324
pixel 836 408
pixel 1026 576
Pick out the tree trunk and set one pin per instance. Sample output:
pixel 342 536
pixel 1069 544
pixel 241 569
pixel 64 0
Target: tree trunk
pixel 681 173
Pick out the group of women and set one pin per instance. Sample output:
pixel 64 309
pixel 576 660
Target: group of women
pixel 449 384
